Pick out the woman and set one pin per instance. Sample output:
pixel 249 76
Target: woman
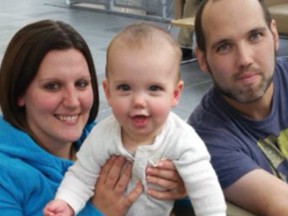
pixel 49 99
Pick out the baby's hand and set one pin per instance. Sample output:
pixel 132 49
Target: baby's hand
pixel 58 208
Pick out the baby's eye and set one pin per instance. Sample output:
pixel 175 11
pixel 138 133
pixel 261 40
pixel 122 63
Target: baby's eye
pixel 82 83
pixel 123 87
pixel 155 88
pixel 52 86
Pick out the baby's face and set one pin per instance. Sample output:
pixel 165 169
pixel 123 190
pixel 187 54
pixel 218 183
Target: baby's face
pixel 142 87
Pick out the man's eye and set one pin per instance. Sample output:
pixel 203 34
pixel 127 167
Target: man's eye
pixel 223 48
pixel 123 87
pixel 155 88
pixel 255 36
pixel 52 86
pixel 82 83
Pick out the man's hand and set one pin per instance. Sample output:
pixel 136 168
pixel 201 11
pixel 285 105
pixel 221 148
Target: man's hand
pixel 165 175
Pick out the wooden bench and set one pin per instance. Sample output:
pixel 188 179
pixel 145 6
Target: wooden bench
pixel 187 22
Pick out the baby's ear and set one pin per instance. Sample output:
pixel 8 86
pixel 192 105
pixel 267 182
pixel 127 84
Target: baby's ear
pixel 105 85
pixel 177 93
pixel 201 59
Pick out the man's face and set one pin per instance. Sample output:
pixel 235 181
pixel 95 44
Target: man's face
pixel 240 48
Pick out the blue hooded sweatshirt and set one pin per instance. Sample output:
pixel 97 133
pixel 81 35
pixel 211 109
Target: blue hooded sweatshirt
pixel 29 176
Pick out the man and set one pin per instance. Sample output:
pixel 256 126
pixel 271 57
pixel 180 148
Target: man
pixel 243 118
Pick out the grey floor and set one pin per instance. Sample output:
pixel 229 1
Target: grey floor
pixel 98 28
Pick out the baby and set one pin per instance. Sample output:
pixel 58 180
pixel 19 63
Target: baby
pixel 142 85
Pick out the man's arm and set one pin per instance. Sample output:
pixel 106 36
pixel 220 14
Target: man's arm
pixel 260 192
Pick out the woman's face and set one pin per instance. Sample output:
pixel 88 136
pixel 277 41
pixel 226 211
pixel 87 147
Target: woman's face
pixel 59 99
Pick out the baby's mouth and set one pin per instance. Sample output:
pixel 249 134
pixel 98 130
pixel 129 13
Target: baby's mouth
pixel 140 120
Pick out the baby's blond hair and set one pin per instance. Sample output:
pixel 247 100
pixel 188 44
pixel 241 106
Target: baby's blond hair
pixel 141 36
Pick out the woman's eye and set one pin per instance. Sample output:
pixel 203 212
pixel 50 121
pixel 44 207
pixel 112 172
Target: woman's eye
pixel 52 86
pixel 123 87
pixel 82 84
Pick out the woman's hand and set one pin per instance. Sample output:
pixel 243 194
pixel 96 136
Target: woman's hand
pixel 165 175
pixel 109 195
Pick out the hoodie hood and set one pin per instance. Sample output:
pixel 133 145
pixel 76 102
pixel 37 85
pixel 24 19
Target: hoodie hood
pixel 17 144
